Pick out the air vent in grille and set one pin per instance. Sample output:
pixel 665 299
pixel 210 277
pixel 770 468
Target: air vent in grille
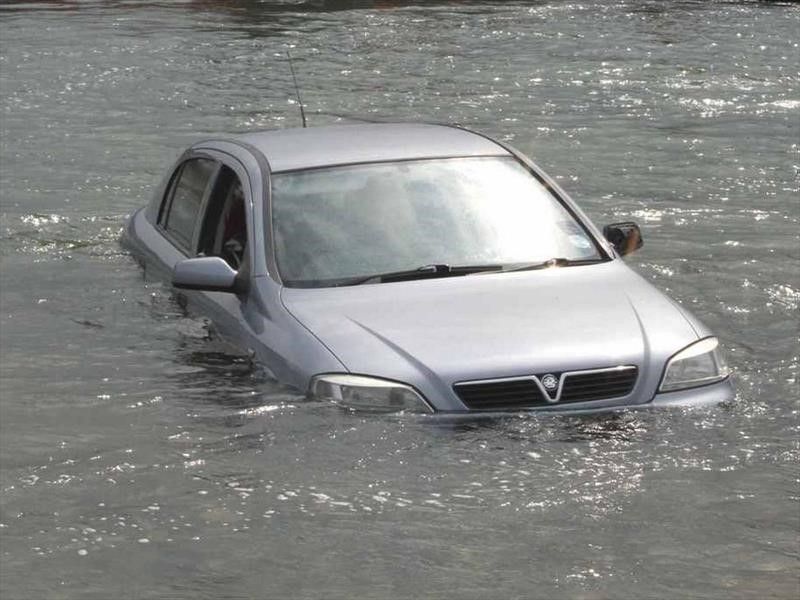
pixel 501 395
pixel 581 387
pixel 576 386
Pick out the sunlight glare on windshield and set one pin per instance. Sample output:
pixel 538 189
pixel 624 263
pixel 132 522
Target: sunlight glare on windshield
pixel 359 220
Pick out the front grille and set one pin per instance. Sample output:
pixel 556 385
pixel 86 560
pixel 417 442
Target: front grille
pixel 526 392
pixel 600 385
pixel 501 395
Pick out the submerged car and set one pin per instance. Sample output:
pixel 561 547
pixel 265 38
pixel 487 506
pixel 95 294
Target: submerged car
pixel 419 268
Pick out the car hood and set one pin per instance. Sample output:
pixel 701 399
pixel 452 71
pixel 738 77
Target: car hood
pixel 496 325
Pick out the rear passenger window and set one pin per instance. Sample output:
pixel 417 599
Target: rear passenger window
pixel 186 199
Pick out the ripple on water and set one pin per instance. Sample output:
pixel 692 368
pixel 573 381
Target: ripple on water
pixel 52 236
pixel 785 295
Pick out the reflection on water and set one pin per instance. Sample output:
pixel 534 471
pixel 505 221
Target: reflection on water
pixel 141 454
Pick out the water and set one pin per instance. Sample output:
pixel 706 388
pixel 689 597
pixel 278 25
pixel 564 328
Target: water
pixel 141 457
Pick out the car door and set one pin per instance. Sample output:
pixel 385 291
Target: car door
pixel 207 212
pixel 224 229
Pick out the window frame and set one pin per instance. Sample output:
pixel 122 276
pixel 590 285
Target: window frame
pixel 237 166
pixel 244 183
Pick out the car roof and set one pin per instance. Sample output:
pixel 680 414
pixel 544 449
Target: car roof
pixel 314 147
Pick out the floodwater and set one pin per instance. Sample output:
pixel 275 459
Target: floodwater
pixel 141 457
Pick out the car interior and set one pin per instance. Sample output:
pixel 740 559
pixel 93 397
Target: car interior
pixel 224 232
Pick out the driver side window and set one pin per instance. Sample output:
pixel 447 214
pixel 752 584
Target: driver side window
pixel 224 230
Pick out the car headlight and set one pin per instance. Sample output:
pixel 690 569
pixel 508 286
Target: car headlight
pixel 358 392
pixel 696 365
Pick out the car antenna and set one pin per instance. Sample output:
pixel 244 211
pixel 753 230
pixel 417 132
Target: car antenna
pixel 297 89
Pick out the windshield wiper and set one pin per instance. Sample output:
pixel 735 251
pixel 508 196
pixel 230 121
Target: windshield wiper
pixel 550 262
pixel 423 272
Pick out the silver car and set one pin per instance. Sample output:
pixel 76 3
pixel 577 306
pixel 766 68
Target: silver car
pixel 419 268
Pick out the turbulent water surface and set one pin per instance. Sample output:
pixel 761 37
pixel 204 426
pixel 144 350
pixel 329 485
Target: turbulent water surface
pixel 142 457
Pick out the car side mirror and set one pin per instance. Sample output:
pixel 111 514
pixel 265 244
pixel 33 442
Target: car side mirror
pixel 626 237
pixel 206 273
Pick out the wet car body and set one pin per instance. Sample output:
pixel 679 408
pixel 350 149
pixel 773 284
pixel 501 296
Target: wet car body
pixel 580 335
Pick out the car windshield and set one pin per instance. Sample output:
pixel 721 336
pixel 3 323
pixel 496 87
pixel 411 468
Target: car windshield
pixel 337 224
